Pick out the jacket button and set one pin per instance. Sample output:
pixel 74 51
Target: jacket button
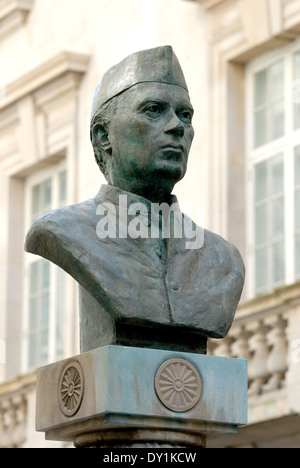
pixel 174 285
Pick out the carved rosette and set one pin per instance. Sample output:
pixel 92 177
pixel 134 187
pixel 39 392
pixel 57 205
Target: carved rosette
pixel 178 385
pixel 71 389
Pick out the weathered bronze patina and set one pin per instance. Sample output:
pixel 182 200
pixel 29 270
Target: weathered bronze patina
pixel 151 291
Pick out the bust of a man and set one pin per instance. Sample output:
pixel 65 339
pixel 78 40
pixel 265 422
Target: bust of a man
pixel 148 276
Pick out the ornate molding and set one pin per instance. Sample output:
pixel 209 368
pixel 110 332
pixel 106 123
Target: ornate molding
pixel 31 98
pixel 243 29
pixel 281 300
pixel 14 396
pixel 13 13
pixel 140 438
pixel 56 67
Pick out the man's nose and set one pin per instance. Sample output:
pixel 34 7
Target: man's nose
pixel 174 126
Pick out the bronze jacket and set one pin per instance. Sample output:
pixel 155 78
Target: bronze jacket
pixel 140 290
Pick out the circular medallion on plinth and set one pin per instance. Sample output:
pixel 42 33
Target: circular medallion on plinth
pixel 71 388
pixel 178 385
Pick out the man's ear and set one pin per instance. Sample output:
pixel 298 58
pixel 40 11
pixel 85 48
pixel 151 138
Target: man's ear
pixel 100 137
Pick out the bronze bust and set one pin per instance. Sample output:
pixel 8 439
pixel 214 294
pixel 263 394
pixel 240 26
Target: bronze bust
pixel 139 286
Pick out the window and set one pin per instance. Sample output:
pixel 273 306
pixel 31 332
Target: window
pixel 296 90
pixel 269 103
pixel 273 164
pixel 297 210
pixel 269 222
pixel 46 284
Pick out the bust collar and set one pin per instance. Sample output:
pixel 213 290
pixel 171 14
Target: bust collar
pixel 109 193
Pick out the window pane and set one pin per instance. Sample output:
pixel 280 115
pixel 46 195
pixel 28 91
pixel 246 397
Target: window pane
pixel 261 268
pixel 277 120
pixel 33 313
pixel 297 210
pixel 41 198
pixel 45 309
pixel 47 194
pixel 297 110
pixel 260 83
pixel 62 187
pixel 33 274
pixel 46 306
pixel 269 223
pixel 277 80
pixel 35 202
pixel 60 339
pixel 60 292
pixel 277 219
pixel 39 303
pixel 261 225
pixel 60 312
pixel 261 190
pixel 297 184
pixel 278 262
pixel 32 351
pixel 297 166
pixel 277 175
pixel 297 251
pixel 260 136
pixel 46 274
pixel 297 65
pixel 44 346
pixel 296 91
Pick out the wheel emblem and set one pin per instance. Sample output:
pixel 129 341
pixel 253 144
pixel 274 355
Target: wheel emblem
pixel 71 389
pixel 178 385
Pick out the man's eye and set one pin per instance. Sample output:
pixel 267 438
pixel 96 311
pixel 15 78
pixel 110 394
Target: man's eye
pixel 186 116
pixel 153 110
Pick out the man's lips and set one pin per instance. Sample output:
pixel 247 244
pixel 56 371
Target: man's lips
pixel 173 147
pixel 173 152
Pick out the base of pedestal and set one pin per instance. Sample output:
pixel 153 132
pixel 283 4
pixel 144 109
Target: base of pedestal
pixel 133 438
pixel 119 396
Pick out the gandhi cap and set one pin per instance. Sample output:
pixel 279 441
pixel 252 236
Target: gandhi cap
pixel 152 65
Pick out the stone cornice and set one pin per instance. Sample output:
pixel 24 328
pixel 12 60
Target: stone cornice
pixel 281 300
pixel 13 13
pixel 7 7
pixel 244 29
pixel 59 65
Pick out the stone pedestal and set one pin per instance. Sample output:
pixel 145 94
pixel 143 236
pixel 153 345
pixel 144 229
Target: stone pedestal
pixel 118 396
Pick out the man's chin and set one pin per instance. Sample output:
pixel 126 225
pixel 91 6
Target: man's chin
pixel 171 170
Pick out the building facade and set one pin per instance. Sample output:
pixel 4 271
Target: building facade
pixel 241 60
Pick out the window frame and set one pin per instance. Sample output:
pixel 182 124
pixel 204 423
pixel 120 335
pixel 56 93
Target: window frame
pixel 254 156
pixel 296 227
pixel 39 177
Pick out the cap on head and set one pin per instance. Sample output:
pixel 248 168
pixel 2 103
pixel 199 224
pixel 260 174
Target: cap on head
pixel 152 65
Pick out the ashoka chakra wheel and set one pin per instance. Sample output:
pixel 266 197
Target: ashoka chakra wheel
pixel 71 389
pixel 178 385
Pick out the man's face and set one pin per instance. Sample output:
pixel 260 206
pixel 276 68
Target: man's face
pixel 150 137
